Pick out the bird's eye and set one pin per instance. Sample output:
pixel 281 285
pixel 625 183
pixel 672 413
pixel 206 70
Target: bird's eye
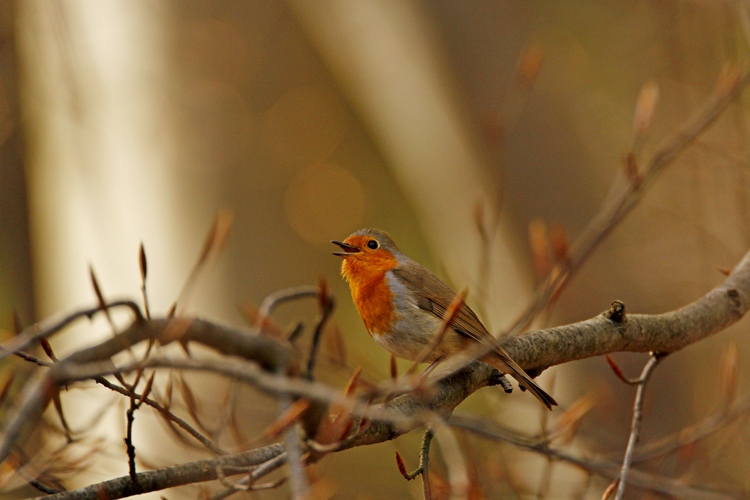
pixel 372 244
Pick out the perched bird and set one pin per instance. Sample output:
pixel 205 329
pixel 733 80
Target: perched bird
pixel 402 305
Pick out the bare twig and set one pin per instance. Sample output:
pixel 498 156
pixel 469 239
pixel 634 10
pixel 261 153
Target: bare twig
pixel 129 446
pixel 423 467
pixel 176 475
pixel 326 303
pixel 424 458
pixel 280 297
pixel 257 473
pixel 624 196
pixel 36 331
pixel 168 415
pixel 47 490
pixel 244 484
pixel 667 332
pixel 635 428
pixel 267 352
pixel 693 433
pixel 299 484
pixel 644 480
pixel 135 404
pixel 32 359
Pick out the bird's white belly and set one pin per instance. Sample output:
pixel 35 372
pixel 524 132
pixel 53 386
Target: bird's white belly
pixel 410 347
pixel 412 334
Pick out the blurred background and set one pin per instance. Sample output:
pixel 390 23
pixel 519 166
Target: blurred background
pixel 124 122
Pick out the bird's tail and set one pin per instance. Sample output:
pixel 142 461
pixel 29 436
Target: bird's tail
pixel 507 365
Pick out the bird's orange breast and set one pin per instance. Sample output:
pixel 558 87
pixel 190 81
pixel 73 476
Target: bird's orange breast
pixel 370 292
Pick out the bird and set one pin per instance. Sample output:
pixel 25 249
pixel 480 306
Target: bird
pixel 402 305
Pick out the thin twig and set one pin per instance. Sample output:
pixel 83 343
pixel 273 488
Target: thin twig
pixel 693 433
pixel 326 308
pixel 279 297
pixel 423 468
pixel 635 428
pixel 298 482
pixel 32 359
pixel 207 443
pixel 176 475
pixel 424 464
pixel 244 484
pixel 129 446
pixel 33 481
pixel 47 490
pixel 36 331
pixel 644 480
pixel 260 471
pixel 624 196
pixel 269 466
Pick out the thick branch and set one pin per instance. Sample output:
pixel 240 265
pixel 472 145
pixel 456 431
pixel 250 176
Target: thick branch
pixel 667 332
pixel 271 354
pixel 534 351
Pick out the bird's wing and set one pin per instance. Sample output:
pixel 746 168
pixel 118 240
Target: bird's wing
pixel 435 297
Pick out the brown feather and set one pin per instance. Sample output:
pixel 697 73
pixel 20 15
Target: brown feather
pixel 435 297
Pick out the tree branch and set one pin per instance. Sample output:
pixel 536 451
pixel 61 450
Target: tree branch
pixel 176 475
pixel 635 428
pixel 664 333
pixel 277 371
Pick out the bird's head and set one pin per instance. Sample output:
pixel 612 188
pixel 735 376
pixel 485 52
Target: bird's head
pixel 367 253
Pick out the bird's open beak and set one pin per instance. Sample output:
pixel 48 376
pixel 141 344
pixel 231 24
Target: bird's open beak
pixel 348 249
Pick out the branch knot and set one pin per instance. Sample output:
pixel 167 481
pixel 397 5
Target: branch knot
pixel 616 312
pixel 734 296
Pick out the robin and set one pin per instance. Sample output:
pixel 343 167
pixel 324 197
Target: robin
pixel 402 305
